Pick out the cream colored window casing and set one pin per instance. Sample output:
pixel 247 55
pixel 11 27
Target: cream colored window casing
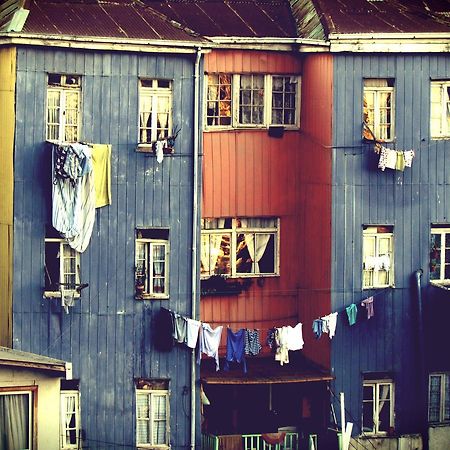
pixel 70 420
pixel 152 419
pixel 155 110
pixel 240 247
pixel 252 100
pixel 440 109
pixel 378 407
pixel 378 257
pixel 440 255
pixel 379 108
pixel 63 108
pixel 62 268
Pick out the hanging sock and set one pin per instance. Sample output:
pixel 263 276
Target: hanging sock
pixel 368 303
pixel 352 311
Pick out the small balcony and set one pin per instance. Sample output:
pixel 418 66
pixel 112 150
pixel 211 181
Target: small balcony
pixel 285 441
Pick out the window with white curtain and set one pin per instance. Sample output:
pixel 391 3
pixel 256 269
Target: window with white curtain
pixel 440 254
pixel 16 419
pixel 378 108
pixel 239 247
pixel 61 267
pixel 252 100
pixel 63 108
pixel 439 397
pixel 378 256
pixel 152 418
pixel 378 406
pixel 155 110
pixel 440 109
pixel 70 420
pixel 152 263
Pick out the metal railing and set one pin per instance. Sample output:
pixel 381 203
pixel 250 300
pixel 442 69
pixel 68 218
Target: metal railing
pixel 256 442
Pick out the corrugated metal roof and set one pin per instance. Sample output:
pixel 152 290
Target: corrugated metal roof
pixel 111 19
pixel 241 18
pixel 16 358
pixel 384 16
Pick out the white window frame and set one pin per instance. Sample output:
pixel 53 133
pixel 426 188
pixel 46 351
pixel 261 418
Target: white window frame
pixel 439 126
pixel 376 385
pixel 64 245
pixel 376 127
pixel 154 93
pixel 62 90
pixel 371 233
pixel 442 231
pixel 234 232
pixel 31 409
pixel 75 413
pixel 444 396
pixel 149 243
pixel 267 104
pixel 150 394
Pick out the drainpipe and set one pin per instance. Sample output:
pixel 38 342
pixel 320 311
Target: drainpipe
pixel 421 347
pixel 195 220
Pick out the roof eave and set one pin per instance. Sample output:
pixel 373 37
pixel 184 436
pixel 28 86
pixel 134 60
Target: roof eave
pixel 390 42
pixel 103 43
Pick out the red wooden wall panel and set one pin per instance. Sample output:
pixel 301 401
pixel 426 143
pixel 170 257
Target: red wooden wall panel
pixel 248 173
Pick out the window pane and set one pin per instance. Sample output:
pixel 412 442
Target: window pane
pixel 435 257
pixel 251 99
pixel 434 399
pixel 368 402
pixel 447 397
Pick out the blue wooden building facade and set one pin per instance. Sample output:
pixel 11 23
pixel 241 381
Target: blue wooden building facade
pixel 134 388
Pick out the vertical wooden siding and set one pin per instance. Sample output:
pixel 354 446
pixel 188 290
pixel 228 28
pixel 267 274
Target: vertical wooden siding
pixel 7 118
pixel 409 200
pixel 108 335
pixel 248 173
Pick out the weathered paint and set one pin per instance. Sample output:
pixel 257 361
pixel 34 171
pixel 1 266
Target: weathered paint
pixel 246 173
pixel 7 120
pixel 108 335
pixel 410 201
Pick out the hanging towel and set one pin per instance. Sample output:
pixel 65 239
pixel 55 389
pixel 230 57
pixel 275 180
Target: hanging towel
pixel 408 155
pixel 400 163
pixel 295 337
pixel 252 344
pixel 317 328
pixel 179 328
pixel 331 322
pixel 281 342
pixel 101 165
pixel 352 311
pixel 391 158
pixel 192 332
pixel 368 303
pixel 159 151
pixel 235 349
pixel 209 342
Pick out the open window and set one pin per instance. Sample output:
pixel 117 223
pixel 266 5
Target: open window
pixel 378 109
pixel 252 100
pixel 61 268
pixel 152 414
pixel 152 263
pixel 378 407
pixel 70 415
pixel 63 108
pixel 239 247
pixel 440 109
pixel 18 407
pixel 378 256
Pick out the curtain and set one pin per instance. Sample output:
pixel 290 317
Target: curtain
pixel 209 252
pixel 256 244
pixel 14 422
pixel 384 396
pixel 70 412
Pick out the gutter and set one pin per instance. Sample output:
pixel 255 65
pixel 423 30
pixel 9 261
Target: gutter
pixel 195 223
pixel 390 42
pixel 101 43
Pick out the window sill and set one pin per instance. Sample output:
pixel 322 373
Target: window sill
pixel 57 294
pixel 439 138
pixel 151 297
pixel 148 148
pixel 367 288
pixel 212 128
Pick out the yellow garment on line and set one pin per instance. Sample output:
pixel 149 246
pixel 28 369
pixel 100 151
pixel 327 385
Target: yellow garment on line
pixel 101 160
